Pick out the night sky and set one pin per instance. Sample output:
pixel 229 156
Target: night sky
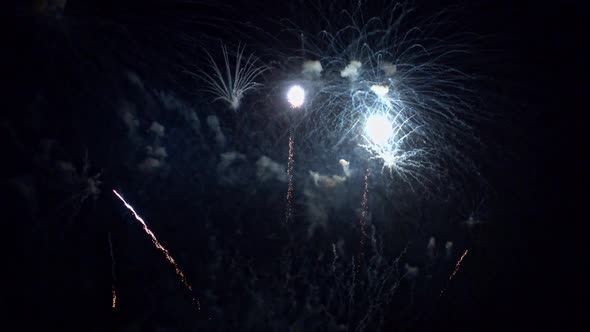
pixel 106 96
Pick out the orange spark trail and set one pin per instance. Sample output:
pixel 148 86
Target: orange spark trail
pixel 457 266
pixel 160 247
pixel 113 276
pixel 290 164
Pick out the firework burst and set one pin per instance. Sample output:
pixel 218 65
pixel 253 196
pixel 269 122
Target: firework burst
pixel 394 65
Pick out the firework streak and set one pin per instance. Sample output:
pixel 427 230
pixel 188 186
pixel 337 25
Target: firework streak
pixel 114 295
pixel 113 276
pixel 155 241
pixel 365 212
pixel 457 266
pixel 290 164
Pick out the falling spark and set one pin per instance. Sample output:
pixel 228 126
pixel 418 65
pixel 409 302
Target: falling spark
pixel 160 247
pixel 365 211
pixel 113 276
pixel 114 293
pixel 457 266
pixel 290 164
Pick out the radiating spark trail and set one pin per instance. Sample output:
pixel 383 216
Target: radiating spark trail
pixel 113 276
pixel 160 247
pixel 457 266
pixel 365 211
pixel 290 164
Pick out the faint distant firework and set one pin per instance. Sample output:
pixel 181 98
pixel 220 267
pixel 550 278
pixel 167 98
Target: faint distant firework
pixel 113 276
pixel 364 212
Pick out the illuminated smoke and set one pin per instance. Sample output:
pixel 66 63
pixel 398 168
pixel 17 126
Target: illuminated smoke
pixel 352 70
pixel 312 69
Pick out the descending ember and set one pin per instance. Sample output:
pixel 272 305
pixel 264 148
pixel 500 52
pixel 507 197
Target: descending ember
pixel 113 276
pixel 158 245
pixel 114 294
pixel 457 266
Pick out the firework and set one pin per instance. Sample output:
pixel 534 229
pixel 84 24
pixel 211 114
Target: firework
pixel 160 247
pixel 113 276
pixel 230 85
pixel 114 296
pixel 365 212
pixel 359 65
pixel 290 164
pixel 457 266
pixel 296 98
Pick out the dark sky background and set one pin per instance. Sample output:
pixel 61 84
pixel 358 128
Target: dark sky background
pixel 68 80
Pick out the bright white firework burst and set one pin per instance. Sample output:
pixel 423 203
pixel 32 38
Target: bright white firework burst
pixel 379 129
pixel 296 96
pixel 392 65
pixel 385 138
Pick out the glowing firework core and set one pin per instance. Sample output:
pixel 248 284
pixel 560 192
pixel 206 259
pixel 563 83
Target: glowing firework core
pixel 379 129
pixel 296 96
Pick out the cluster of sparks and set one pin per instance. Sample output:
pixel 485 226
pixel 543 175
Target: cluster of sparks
pixel 364 212
pixel 160 247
